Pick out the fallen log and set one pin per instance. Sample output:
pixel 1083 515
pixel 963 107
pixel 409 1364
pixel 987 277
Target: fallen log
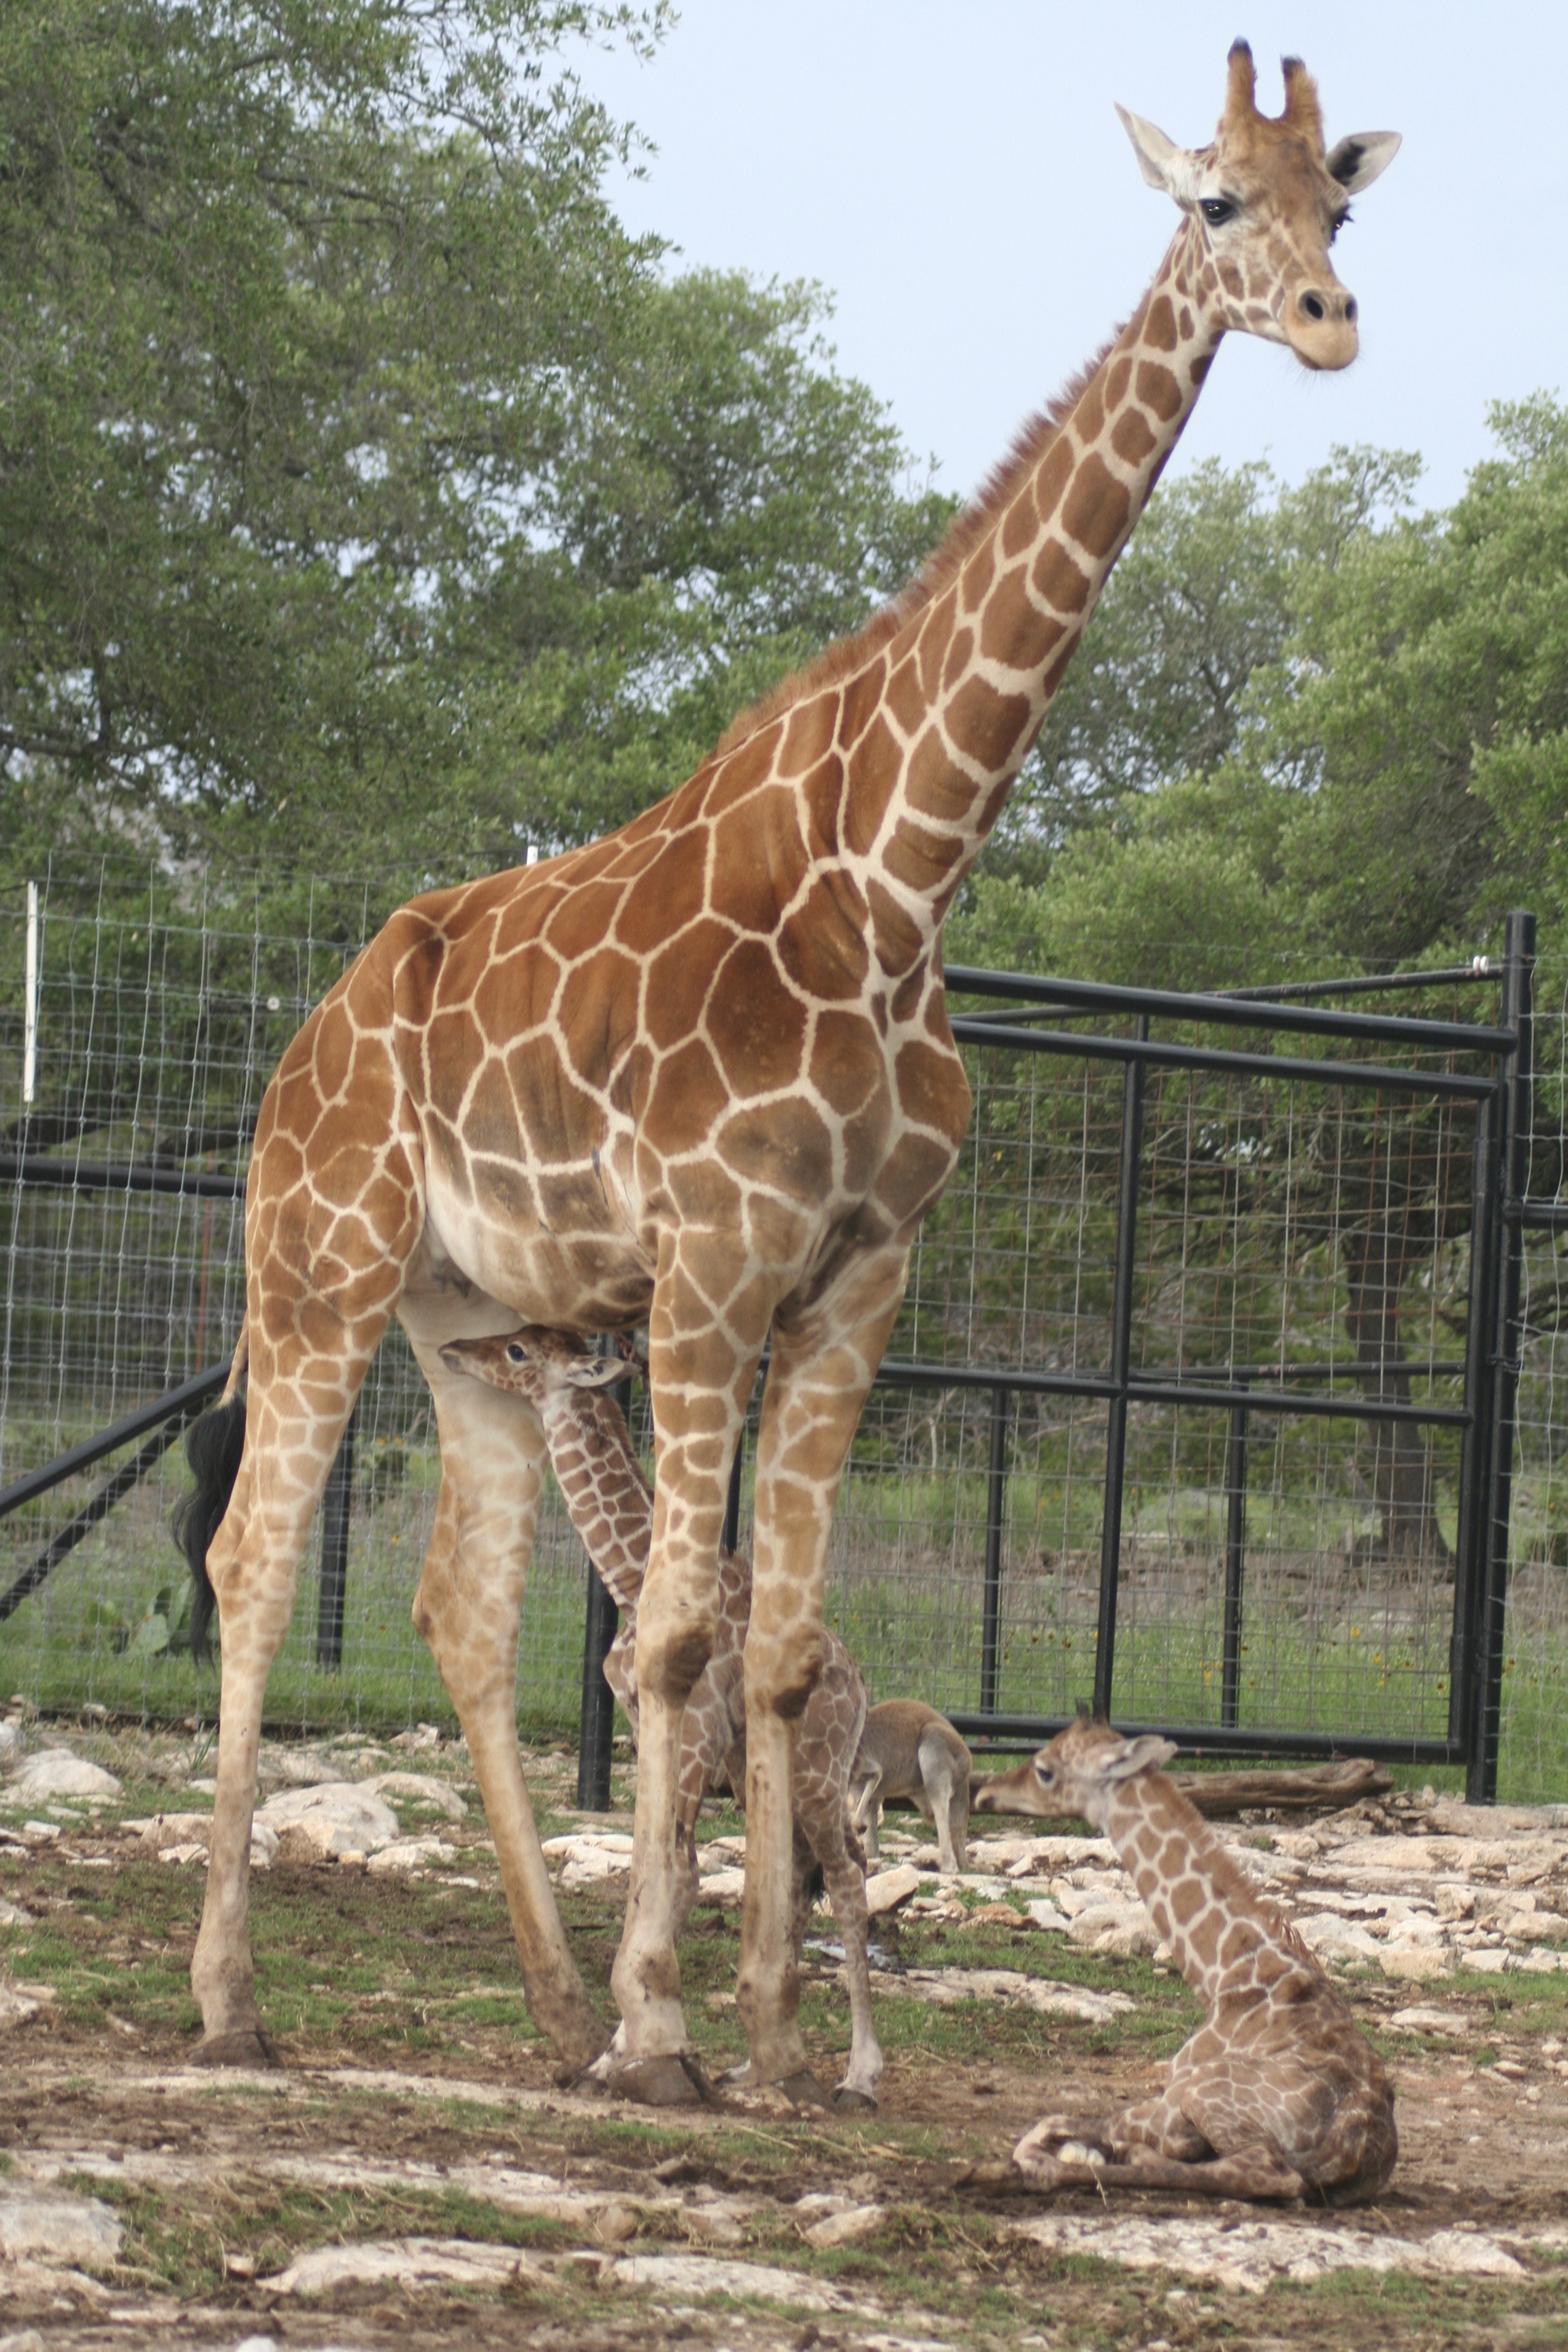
pixel 1312 1788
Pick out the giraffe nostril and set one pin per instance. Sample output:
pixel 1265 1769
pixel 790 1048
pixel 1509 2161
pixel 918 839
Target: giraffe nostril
pixel 1312 306
pixel 1350 309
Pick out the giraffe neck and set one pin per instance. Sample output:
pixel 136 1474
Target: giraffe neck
pixel 608 1498
pixel 1200 1903
pixel 934 729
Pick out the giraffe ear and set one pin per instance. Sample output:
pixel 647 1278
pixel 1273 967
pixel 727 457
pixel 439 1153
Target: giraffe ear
pixel 1131 1757
pixel 595 1371
pixel 1356 161
pixel 1162 163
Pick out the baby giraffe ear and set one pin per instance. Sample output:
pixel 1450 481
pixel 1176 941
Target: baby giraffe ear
pixel 1131 1757
pixel 1356 161
pixel 1162 163
pixel 595 1371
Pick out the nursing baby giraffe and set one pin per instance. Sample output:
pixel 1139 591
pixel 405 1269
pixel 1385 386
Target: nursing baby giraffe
pixel 611 1507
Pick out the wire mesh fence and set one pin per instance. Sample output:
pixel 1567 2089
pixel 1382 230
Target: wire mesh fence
pixel 1278 1571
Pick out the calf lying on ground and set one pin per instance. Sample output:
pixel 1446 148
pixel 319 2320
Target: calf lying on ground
pixel 1278 2093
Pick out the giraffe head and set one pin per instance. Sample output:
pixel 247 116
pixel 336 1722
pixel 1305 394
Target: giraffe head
pixel 1266 200
pixel 1080 1770
pixel 536 1362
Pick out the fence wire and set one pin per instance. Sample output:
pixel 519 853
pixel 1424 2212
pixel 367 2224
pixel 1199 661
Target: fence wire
pixel 1291 1236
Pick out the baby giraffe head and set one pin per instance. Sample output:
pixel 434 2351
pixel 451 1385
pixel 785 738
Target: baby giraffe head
pixel 544 1366
pixel 1264 203
pixel 1078 1773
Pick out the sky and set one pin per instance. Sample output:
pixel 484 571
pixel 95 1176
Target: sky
pixel 954 173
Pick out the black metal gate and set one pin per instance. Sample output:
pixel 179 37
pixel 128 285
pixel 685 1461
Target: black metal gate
pixel 1421 1060
pixel 1484 1420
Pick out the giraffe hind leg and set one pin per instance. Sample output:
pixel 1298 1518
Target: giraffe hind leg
pixel 297 1406
pixel 467 1610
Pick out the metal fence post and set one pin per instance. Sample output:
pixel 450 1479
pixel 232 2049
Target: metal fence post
pixel 1120 1360
pixel 596 1736
pixel 1480 1786
pixel 1473 1519
pixel 995 1520
pixel 336 1502
pixel 1235 1561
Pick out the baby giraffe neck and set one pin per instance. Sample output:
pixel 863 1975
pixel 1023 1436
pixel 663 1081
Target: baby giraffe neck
pixel 1200 1903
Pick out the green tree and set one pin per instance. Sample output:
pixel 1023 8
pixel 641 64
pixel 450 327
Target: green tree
pixel 365 495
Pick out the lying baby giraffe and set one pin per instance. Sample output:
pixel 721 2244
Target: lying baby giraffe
pixel 1278 2093
pixel 611 1507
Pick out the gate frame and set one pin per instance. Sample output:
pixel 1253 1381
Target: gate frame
pixel 1500 1210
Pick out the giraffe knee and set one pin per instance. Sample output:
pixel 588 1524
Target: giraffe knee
pixel 670 1658
pixel 783 1678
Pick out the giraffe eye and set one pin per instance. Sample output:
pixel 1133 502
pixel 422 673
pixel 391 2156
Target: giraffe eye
pixel 1217 210
pixel 516 1353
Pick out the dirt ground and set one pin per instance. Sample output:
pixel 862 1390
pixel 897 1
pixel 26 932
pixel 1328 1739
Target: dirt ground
pixel 414 2177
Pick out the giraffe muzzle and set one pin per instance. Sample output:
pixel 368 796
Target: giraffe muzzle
pixel 1321 326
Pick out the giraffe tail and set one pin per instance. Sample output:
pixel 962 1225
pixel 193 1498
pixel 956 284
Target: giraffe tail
pixel 214 1445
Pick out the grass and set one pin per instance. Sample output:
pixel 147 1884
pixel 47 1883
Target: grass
pixel 1323 1647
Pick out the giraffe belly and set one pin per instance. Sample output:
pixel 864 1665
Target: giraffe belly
pixel 588 1275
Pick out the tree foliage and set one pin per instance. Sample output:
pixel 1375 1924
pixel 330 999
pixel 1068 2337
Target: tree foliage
pixel 365 492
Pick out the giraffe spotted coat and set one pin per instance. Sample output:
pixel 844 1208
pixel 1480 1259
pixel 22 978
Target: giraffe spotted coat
pixel 699 1077
pixel 1279 2092
pixel 611 1506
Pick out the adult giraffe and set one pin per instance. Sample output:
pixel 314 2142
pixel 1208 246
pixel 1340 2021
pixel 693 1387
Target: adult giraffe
pixel 701 1074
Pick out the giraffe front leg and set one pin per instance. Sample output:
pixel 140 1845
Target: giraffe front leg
pixel 467 1608
pixel 700 1378
pixel 824 1354
pixel 844 1872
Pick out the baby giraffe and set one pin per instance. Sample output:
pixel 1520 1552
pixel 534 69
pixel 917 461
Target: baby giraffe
pixel 611 1506
pixel 1278 2093
pixel 909 1750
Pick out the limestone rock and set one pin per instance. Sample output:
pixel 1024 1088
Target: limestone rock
pixel 337 1817
pixel 686 2275
pixel 888 1888
pixel 1415 1963
pixel 51 2227
pixel 15 2008
pixel 390 2262
pixel 186 1835
pixel 421 1788
pixel 12 1746
pixel 56 1772
pixel 847 2229
pixel 410 1855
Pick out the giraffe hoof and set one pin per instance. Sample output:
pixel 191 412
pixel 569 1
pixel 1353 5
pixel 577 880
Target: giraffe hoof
pixel 252 2046
pixel 674 2080
pixel 854 2103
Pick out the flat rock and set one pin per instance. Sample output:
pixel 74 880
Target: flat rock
pixel 948 1985
pixel 296 1768
pixel 421 1788
pixel 847 2229
pixel 1415 1963
pixel 191 1834
pixel 410 1855
pixel 704 2275
pixel 336 1817
pixel 389 2261
pixel 51 2227
pixel 12 1746
pixel 1427 2020
pixel 1383 1858
pixel 17 2008
pixel 1252 2254
pixel 56 1772
pixel 888 1888
pixel 717 1886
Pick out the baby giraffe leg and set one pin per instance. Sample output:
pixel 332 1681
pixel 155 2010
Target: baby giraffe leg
pixel 826 1826
pixel 869 1816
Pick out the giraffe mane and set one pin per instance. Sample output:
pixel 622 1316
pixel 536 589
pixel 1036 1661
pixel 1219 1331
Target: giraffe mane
pixel 944 563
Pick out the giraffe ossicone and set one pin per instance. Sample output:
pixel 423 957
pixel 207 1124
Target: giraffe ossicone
pixel 1278 2093
pixel 698 1076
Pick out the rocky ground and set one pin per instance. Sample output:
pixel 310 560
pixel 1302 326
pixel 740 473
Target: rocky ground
pixel 415 2175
